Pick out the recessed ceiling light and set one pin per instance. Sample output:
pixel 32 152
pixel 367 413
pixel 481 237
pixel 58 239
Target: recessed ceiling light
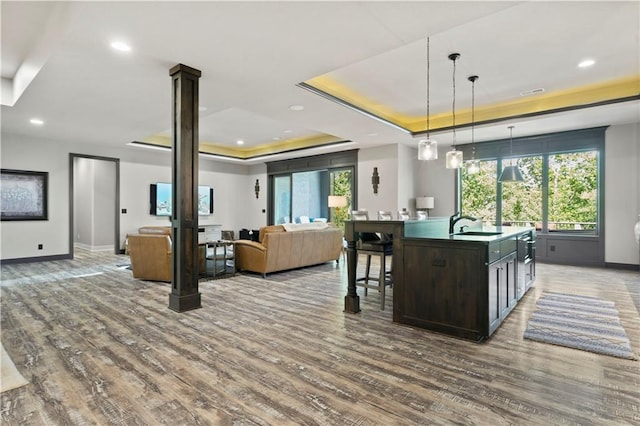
pixel 275 138
pixel 202 109
pixel 240 142
pixel 586 63
pixel 373 134
pixel 296 107
pixel 288 131
pixel 36 121
pixel 121 46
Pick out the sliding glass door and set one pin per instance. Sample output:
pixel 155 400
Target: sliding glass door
pixel 309 191
pixel 341 183
pixel 282 199
pixel 299 189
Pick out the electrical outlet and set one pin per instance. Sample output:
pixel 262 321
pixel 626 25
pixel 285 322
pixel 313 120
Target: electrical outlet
pixel 39 246
pixel 552 248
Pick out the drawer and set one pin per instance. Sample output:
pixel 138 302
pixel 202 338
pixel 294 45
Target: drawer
pixel 508 246
pixel 494 251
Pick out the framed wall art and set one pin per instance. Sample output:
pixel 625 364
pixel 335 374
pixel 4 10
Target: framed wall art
pixel 23 195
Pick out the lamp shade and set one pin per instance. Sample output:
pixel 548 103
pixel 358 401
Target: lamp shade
pixel 425 202
pixel 337 201
pixel 511 174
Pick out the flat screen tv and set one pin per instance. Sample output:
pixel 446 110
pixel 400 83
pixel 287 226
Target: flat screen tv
pixel 161 194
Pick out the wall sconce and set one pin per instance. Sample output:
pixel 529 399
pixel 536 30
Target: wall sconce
pixel 257 188
pixel 375 180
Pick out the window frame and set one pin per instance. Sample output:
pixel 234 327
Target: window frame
pixel 330 162
pixel 543 145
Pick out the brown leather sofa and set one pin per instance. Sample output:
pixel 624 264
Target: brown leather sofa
pixel 278 249
pixel 150 253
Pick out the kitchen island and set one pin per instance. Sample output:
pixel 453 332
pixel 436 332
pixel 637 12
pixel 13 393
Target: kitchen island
pixel 463 284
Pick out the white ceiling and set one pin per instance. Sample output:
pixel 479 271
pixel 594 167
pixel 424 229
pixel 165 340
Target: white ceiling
pixel 253 54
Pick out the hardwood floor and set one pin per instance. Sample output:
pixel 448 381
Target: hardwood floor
pixel 99 347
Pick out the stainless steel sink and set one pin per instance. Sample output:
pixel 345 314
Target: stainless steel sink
pixel 479 233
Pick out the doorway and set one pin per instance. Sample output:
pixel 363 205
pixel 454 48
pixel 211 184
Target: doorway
pixel 94 203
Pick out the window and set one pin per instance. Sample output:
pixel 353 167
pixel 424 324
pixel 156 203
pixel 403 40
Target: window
pixel 573 192
pixel 571 188
pixel 522 202
pixel 300 187
pixel 282 199
pixel 479 192
pixel 561 189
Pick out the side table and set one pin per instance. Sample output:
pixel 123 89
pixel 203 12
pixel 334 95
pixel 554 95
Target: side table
pixel 222 254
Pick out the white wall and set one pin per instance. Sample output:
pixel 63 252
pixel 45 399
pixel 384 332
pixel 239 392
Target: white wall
pixel 232 192
pixel 407 165
pixel 622 193
pixel 20 239
pixel 385 158
pixel 235 205
pixel 435 180
pixel 254 211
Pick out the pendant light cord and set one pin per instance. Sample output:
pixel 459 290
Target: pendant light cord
pixel 454 102
pixel 428 72
pixel 473 116
pixel 511 145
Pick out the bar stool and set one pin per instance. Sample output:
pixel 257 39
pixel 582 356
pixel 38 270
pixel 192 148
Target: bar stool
pixel 370 244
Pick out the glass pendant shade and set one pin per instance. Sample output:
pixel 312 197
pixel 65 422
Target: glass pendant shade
pixel 473 167
pixel 454 159
pixel 511 174
pixel 427 149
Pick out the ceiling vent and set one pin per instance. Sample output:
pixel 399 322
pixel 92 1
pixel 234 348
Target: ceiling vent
pixel 532 92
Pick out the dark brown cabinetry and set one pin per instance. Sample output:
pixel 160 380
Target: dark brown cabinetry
pixel 464 288
pixel 503 295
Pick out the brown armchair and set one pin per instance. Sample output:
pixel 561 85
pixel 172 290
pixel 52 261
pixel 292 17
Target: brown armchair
pixel 150 253
pixel 150 256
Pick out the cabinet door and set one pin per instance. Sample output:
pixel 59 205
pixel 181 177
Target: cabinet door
pixel 494 296
pixel 511 276
pixel 503 288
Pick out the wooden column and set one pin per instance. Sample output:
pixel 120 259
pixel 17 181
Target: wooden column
pixel 184 217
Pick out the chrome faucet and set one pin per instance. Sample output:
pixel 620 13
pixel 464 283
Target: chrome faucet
pixel 455 218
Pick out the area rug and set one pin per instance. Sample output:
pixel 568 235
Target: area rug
pixel 10 377
pixel 580 322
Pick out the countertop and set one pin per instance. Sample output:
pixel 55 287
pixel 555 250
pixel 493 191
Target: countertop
pixel 504 233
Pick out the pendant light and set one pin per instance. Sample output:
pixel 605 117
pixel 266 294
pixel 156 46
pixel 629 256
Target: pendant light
pixel 427 148
pixel 473 166
pixel 511 173
pixel 454 157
